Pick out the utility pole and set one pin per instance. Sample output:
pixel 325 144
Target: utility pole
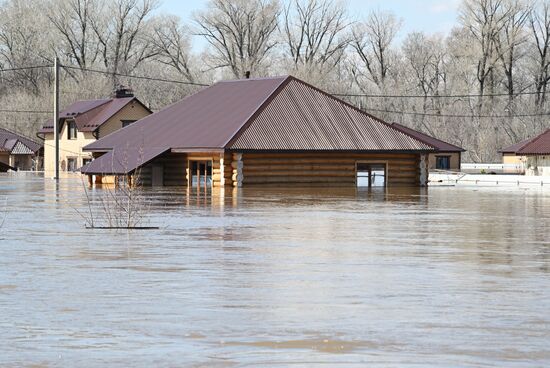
pixel 56 115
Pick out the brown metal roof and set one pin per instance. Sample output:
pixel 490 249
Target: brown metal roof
pixel 9 140
pixel 279 113
pixel 301 117
pixel 539 145
pixel 91 114
pixel 438 144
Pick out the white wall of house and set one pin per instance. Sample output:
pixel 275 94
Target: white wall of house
pixel 72 148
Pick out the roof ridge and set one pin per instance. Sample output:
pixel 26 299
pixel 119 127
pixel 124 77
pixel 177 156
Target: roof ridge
pixel 284 76
pixel 258 110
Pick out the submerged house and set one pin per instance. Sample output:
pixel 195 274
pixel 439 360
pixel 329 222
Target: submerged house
pixel 446 157
pixel 533 153
pixel 267 131
pixel 18 152
pixel 86 121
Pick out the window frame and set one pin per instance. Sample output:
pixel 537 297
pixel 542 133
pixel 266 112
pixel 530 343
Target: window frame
pixel 442 157
pixel 372 163
pixel 71 127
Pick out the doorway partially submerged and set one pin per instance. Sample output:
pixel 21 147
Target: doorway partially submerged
pixel 371 174
pixel 200 173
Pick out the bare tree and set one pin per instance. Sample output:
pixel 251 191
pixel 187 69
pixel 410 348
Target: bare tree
pixel 539 22
pixel 425 58
pixel 372 41
pixel 173 46
pixel 315 32
pixel 72 20
pixel 21 44
pixel 485 20
pixel 239 32
pixel 121 33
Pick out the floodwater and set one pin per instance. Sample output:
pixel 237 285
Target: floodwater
pixel 449 277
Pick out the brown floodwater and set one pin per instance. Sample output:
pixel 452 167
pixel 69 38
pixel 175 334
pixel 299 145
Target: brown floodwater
pixel 451 277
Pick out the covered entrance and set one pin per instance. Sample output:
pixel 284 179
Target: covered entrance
pixel 371 174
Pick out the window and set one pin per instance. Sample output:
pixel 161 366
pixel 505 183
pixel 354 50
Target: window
pixel 125 123
pixel 86 161
pixel 71 163
pixel 71 125
pixel 443 162
pixel 371 174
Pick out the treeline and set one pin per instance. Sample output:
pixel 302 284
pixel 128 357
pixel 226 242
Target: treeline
pixel 482 86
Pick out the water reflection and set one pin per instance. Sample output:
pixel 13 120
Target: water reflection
pixel 277 277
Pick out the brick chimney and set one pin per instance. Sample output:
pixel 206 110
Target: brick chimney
pixel 122 92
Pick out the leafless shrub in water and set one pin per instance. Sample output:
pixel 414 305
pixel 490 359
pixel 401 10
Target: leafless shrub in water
pixel 118 206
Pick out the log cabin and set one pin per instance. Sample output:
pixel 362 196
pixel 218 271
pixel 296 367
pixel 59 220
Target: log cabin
pixel 277 131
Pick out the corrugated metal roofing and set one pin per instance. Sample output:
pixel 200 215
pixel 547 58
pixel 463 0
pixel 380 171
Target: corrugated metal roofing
pixel 539 145
pixel 279 113
pixel 90 114
pixel 438 144
pixel 301 117
pixel 8 140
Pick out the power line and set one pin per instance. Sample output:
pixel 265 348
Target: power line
pixel 135 76
pixel 26 68
pixel 456 115
pixel 26 111
pixel 432 96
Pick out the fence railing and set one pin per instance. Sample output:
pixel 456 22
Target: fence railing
pixel 438 178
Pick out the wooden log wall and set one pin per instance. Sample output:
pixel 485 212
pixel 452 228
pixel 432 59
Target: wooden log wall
pixel 323 169
pixel 174 170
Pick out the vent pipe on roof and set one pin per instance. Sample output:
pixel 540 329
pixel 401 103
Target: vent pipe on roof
pixel 123 91
pixel 247 74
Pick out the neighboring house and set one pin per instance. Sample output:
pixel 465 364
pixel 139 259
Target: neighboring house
pixel 18 152
pixel 447 157
pixel 83 122
pixel 270 131
pixel 533 153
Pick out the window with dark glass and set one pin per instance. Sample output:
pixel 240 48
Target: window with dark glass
pixel 86 161
pixel 71 130
pixel 443 162
pixel 125 123
pixel 71 163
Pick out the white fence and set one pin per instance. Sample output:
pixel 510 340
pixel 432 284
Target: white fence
pixel 487 180
pixel 497 168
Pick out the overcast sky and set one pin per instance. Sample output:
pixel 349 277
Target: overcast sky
pixel 418 15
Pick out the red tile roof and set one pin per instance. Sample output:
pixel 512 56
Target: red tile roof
pixel 281 113
pixel 438 144
pixel 539 145
pixel 91 114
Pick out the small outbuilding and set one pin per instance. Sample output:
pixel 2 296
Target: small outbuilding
pixel 533 154
pixel 18 152
pixel 268 131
